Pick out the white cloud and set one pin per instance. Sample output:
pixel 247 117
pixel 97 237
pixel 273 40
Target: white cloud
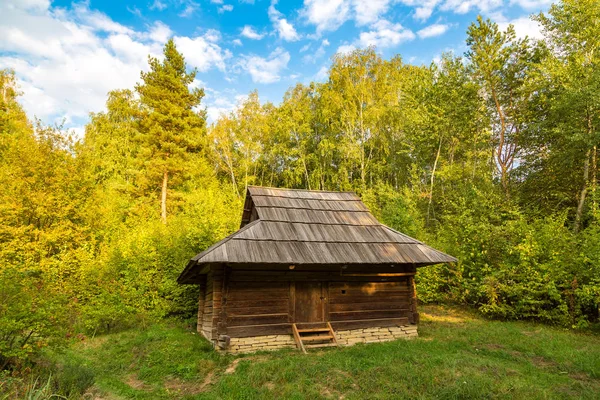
pixel 236 42
pixel 346 48
pixel 285 30
pixel 67 60
pixel 313 57
pixel 531 4
pixel 369 11
pixel 433 30
pixel 160 32
pixel 158 5
pixel 250 33
pixel 216 1
pixel 189 10
pixel 202 52
pixel 524 26
pixel 221 102
pixel 226 7
pixel 322 74
pixel 385 34
pixel 266 70
pixel 424 8
pixel 327 15
pixel 464 6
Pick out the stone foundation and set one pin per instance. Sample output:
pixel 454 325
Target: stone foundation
pixel 256 343
pixel 373 335
pixel 344 338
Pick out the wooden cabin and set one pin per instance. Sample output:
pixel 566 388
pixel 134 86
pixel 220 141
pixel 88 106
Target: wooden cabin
pixel 308 269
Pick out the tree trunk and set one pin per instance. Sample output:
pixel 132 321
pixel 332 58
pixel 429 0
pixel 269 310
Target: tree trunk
pixel 583 193
pixel 163 198
pixel 594 182
pixel 437 157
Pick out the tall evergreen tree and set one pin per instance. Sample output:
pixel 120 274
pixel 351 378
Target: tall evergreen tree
pixel 172 126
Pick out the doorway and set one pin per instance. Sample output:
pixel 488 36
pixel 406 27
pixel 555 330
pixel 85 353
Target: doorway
pixel 309 302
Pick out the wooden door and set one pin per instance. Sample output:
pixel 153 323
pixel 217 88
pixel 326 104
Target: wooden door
pixel 309 304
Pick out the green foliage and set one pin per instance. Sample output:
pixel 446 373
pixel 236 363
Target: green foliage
pixel 457 355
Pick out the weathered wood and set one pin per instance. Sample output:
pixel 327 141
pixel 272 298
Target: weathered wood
pixel 313 346
pixel 280 308
pixel 371 292
pixel 366 306
pixel 369 314
pixel 275 273
pixel 368 323
pixel 297 339
pixel 249 303
pixel 343 299
pixel 264 319
pixel 317 338
pixel 201 300
pixel 309 302
pixel 332 333
pixel 258 294
pixel 292 302
pixel 379 286
pixel 259 330
pixel 414 316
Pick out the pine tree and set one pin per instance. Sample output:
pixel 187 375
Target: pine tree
pixel 171 127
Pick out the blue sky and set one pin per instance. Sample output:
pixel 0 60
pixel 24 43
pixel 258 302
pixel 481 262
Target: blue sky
pixel 68 55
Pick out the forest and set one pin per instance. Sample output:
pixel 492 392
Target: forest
pixel 490 156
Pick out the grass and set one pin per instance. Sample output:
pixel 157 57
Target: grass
pixel 457 355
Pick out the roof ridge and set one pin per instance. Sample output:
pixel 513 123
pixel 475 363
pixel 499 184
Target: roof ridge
pixel 302 190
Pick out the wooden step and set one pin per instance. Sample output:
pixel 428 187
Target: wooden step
pixel 313 336
pixel 312 330
pixel 314 346
pixel 318 338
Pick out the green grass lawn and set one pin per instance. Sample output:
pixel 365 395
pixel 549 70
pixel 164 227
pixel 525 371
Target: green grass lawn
pixel 457 355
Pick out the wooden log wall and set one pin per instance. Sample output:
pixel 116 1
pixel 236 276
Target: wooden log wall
pixel 354 305
pixel 201 301
pixel 244 303
pixel 212 303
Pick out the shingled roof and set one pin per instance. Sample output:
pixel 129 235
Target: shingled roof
pixel 290 226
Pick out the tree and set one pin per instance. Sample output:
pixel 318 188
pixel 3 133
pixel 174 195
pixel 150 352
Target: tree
pixel 572 31
pixel 171 125
pixel 500 63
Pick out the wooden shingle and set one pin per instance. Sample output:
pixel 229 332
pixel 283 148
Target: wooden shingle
pixel 291 226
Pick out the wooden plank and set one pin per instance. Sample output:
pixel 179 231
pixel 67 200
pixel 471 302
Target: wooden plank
pixel 292 303
pixel 317 338
pixel 365 299
pixel 297 339
pixel 259 330
pixel 332 333
pixel 254 303
pixel 244 320
pixel 312 330
pixel 380 286
pixel 259 295
pixel 258 284
pixel 368 323
pixel 370 314
pixel 367 293
pixel 280 308
pixel 387 305
pixel 313 346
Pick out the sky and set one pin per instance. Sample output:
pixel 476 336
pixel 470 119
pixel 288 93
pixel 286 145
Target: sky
pixel 67 55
